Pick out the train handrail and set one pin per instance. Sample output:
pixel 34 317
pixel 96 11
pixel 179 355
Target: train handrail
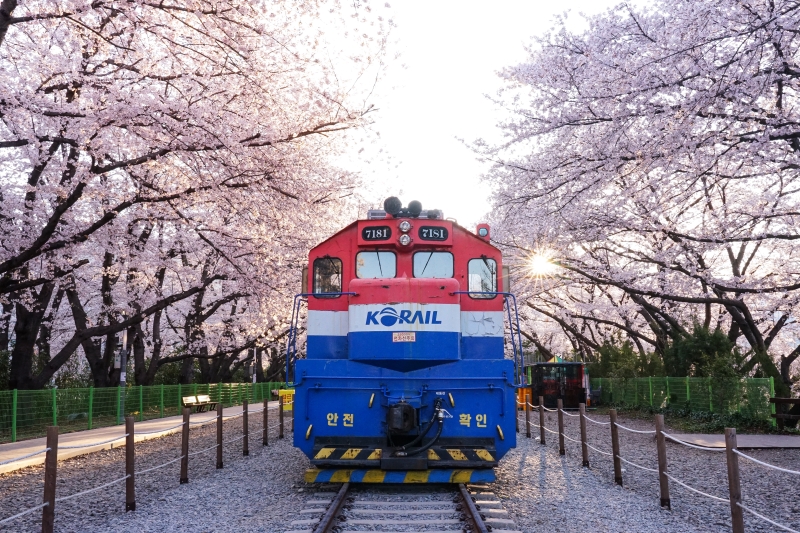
pixel 291 342
pixel 519 359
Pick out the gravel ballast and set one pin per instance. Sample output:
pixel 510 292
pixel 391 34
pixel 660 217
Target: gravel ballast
pixel 541 490
pixel 545 491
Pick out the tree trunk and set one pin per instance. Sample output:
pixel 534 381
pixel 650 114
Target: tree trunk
pixel 7 7
pixel 26 331
pixel 5 325
pixel 187 371
pixel 91 348
pixel 155 358
pixel 786 366
pixel 46 331
pixel 138 348
pixel 259 364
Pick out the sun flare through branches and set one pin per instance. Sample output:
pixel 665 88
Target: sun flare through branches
pixel 540 264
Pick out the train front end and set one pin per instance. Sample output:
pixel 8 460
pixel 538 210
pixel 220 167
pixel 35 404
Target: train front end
pixel 405 378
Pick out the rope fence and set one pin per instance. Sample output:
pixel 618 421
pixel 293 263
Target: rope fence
pixel 664 477
pixel 23 513
pixel 640 467
pixel 159 430
pixel 762 463
pixel 695 446
pixel 93 444
pixel 762 517
pixel 598 451
pixel 701 493
pixel 593 421
pixel 234 439
pixel 651 432
pixel 207 420
pixel 22 457
pixel 71 496
pixel 52 447
pixel 204 450
pixel 159 466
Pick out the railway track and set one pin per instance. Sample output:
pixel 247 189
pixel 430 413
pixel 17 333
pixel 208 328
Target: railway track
pixel 395 508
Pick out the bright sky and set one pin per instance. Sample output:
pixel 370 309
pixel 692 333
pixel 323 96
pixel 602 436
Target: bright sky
pixel 451 51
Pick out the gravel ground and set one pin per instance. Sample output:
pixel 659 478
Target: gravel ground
pixel 534 478
pixel 160 489
pixel 541 490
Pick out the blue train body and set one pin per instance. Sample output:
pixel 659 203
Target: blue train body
pixel 404 375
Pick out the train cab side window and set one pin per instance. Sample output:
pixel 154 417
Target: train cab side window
pixel 375 264
pixel 482 277
pixel 433 265
pixel 327 275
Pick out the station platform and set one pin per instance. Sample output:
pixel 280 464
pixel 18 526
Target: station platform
pixel 155 428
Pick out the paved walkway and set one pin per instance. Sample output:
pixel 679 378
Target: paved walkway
pixel 154 429
pixel 742 441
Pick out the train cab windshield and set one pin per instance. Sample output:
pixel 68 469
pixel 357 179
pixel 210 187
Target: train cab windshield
pixel 433 265
pixel 327 275
pixel 482 277
pixel 376 264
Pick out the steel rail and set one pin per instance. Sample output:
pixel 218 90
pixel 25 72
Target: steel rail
pixel 473 514
pixel 328 521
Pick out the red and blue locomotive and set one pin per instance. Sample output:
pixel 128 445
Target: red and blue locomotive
pixel 405 377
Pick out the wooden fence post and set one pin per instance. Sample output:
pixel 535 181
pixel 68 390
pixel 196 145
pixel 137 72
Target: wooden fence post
pixel 50 466
pixel 527 417
pixel 615 447
pixel 54 401
pixel 280 415
pixel 663 480
pixel 130 462
pixel 734 485
pixel 219 435
pixel 265 430
pixel 561 450
pixel 245 429
pixel 584 447
pixel 185 446
pixel 541 420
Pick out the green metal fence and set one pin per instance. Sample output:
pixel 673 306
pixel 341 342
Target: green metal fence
pixel 26 414
pixel 748 396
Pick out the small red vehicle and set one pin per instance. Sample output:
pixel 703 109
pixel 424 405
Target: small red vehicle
pixel 553 381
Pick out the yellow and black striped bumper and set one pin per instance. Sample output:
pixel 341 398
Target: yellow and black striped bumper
pixel 445 475
pixel 437 457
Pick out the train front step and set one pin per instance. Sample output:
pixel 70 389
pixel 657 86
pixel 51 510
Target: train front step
pixel 367 475
pixel 381 457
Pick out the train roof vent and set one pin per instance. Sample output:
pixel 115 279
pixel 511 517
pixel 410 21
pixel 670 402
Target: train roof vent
pixel 431 214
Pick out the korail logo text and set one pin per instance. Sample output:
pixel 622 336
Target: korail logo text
pixel 388 316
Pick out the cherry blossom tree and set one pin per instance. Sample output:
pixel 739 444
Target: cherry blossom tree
pixel 168 157
pixel 657 155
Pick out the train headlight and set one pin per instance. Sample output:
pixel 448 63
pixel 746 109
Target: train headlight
pixel 404 239
pixel 405 226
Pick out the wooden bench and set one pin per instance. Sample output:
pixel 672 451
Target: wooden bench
pixel 783 413
pixel 201 403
